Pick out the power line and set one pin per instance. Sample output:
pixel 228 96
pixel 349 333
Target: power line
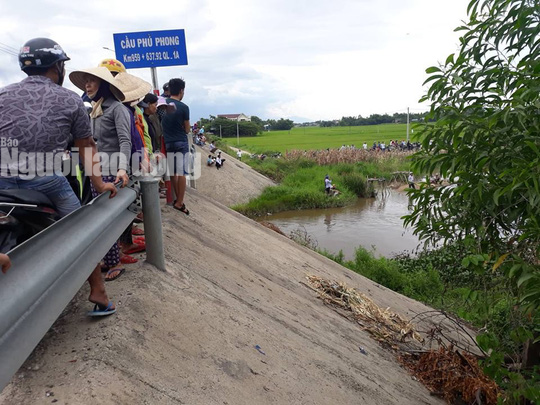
pixel 8 51
pixel 9 46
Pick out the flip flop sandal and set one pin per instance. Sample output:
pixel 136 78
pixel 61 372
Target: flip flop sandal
pixel 141 247
pixel 126 259
pixel 139 239
pixel 182 209
pixel 102 310
pixel 119 271
pixel 137 231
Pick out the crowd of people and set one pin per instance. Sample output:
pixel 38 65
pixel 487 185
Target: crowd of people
pixel 393 145
pixel 216 160
pixel 117 127
pixel 198 135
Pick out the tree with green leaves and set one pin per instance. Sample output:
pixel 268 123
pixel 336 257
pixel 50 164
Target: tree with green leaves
pixel 257 121
pixel 281 125
pixel 483 134
pixel 229 127
pixel 485 138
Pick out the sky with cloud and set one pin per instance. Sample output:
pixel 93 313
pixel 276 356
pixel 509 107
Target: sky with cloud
pixel 304 60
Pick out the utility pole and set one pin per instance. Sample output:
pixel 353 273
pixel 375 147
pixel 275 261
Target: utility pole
pixel 407 124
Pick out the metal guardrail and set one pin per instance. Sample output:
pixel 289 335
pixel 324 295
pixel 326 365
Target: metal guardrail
pixel 50 268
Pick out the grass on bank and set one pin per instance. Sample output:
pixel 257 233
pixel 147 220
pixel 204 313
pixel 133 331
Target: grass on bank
pixel 301 179
pixel 301 183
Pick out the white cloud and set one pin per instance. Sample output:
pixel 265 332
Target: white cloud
pixel 279 58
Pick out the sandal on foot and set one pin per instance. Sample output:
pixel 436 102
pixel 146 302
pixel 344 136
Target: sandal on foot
pixel 102 310
pixel 119 272
pixel 182 209
pixel 139 247
pixel 127 259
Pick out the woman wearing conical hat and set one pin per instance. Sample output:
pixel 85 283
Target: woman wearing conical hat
pixel 111 127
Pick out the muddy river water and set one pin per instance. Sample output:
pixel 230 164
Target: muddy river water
pixel 373 223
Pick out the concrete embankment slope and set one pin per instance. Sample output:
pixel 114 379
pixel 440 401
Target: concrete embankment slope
pixel 189 335
pixel 235 183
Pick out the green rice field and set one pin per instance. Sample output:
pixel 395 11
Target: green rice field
pixel 311 138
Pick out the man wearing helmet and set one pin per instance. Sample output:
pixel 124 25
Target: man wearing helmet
pixel 42 116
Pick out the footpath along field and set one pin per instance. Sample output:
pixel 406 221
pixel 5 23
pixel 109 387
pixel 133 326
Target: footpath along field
pixel 306 138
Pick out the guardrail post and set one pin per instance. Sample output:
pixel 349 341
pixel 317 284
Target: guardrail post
pixel 153 230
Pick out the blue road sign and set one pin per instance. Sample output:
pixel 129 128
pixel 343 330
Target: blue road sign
pixel 151 48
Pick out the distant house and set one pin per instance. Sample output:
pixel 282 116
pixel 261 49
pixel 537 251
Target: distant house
pixel 235 117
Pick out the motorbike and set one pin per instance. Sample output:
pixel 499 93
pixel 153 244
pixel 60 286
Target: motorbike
pixel 23 214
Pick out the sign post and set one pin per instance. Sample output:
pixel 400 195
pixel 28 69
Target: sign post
pixel 153 72
pixel 152 49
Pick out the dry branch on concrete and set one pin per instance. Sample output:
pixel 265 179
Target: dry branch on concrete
pixel 447 372
pixel 384 325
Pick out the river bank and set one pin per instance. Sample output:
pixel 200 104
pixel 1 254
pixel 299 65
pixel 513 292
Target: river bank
pixel 301 182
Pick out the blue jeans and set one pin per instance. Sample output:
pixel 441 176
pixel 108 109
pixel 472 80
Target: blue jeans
pixel 57 188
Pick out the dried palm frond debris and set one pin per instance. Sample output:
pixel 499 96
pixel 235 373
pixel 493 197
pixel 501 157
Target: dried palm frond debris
pixel 273 227
pixel 383 324
pixel 447 372
pixel 452 375
pixel 335 156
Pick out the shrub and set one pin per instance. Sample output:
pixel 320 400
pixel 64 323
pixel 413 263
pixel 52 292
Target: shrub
pixel 356 183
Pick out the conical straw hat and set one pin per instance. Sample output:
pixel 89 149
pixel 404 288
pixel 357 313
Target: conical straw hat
pixel 78 78
pixel 133 87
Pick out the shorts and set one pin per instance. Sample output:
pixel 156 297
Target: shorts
pixel 57 188
pixel 178 158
